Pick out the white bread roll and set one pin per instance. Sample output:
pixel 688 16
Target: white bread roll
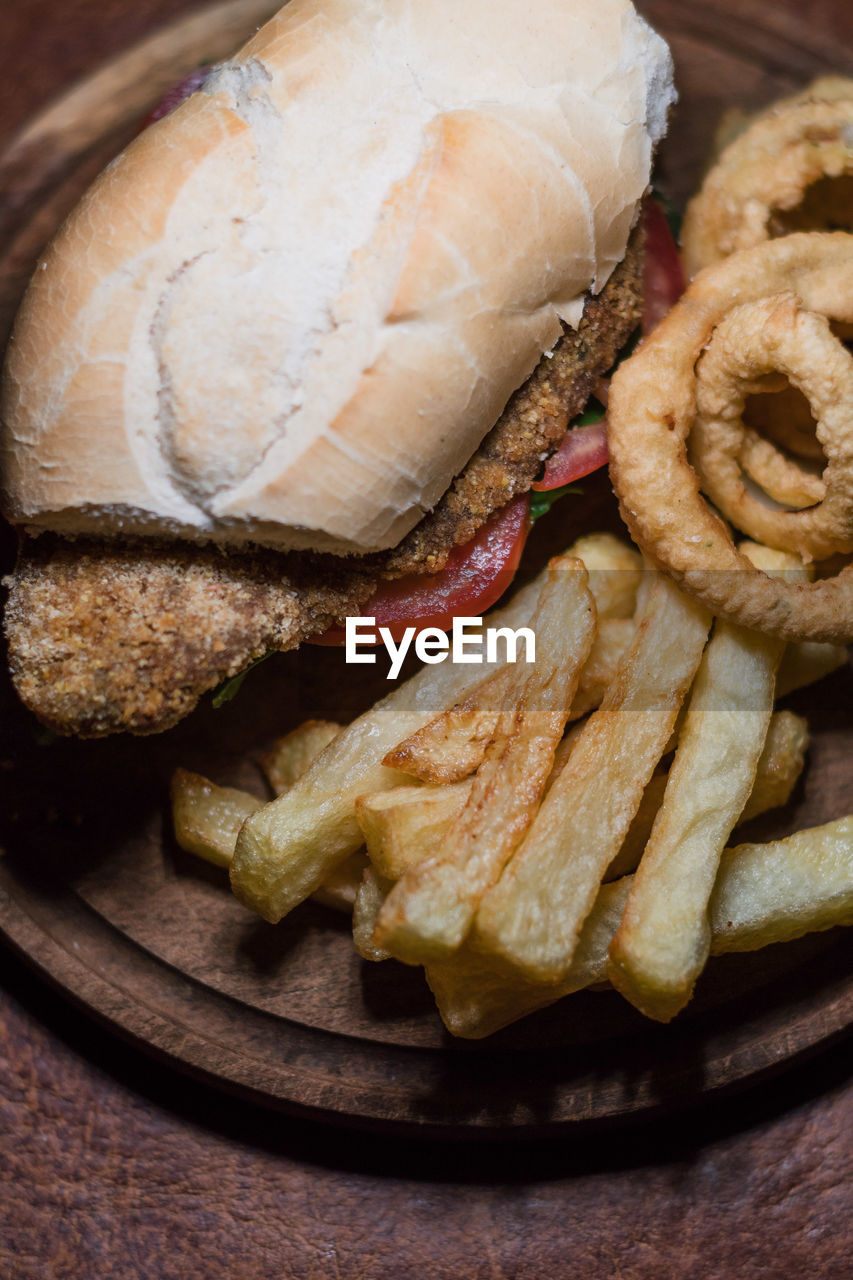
pixel 289 312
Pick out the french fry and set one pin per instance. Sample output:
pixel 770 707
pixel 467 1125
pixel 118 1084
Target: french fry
pixel 404 826
pixel 764 893
pixel 429 911
pixel 533 916
pixel 286 849
pixel 615 571
pixel 780 764
pixel 663 941
pixel 453 745
pixel 782 890
pixel 613 640
pixel 206 817
pixel 628 858
pixel 340 887
pixel 295 752
pixel 806 661
pixel 371 893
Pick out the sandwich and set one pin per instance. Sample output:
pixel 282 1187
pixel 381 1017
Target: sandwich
pixel 315 331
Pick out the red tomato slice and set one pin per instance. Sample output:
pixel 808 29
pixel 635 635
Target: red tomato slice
pixel 475 577
pixel 663 274
pixel 583 451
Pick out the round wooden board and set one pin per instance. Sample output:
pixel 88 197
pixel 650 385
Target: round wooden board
pixel 95 892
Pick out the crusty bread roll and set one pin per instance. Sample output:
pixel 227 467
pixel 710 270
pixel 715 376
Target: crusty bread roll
pixel 289 312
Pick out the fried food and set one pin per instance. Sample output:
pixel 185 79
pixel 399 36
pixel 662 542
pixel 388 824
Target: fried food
pixel 763 893
pixel 533 916
pixel 652 410
pixel 453 745
pixel 372 892
pixel 779 765
pixel 782 478
pixel 804 663
pixel 340 888
pixel 286 850
pixel 206 818
pixel 790 169
pixel 663 941
pixel 405 825
pixel 291 756
pixel 428 913
pixel 754 339
pixel 782 890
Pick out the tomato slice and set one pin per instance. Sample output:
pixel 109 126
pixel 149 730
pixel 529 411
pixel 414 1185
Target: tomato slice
pixel 663 274
pixel 475 577
pixel 583 451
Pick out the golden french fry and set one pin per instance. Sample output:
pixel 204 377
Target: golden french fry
pixel 371 893
pixel 615 571
pixel 663 941
pixel 207 817
pixel 287 849
pixel 341 885
pixel 612 642
pixel 429 911
pixel 292 754
pixel 778 891
pixel 403 826
pixel 477 995
pixel 806 661
pixel 763 893
pixel 780 764
pixel 453 745
pixel 533 916
pixel 628 858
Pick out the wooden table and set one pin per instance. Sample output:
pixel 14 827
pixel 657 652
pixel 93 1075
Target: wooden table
pixel 114 1166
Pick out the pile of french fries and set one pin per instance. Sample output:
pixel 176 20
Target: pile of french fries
pixel 526 830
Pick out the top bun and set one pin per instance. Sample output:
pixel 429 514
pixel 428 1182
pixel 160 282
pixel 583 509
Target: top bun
pixel 289 312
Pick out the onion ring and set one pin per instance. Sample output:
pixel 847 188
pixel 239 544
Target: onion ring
pixel 752 340
pixel 782 478
pixel 768 169
pixel 651 412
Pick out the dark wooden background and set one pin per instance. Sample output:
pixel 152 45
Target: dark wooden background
pixel 113 1166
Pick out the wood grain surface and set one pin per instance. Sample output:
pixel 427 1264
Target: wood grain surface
pixel 115 1166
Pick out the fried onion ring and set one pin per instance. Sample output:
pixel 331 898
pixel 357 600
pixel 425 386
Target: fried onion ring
pixel 782 479
pixel 754 339
pixel 768 171
pixel 651 412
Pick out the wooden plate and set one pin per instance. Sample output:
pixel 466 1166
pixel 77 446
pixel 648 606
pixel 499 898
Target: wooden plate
pixel 94 891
